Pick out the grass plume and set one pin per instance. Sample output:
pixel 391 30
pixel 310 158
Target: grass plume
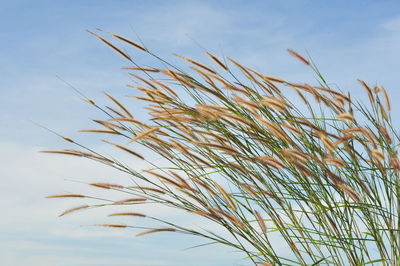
pixel 322 172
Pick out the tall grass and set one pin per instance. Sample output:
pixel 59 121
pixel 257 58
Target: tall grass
pixel 319 171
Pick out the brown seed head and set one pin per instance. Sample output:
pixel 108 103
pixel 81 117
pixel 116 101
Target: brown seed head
pixel 216 60
pixel 143 134
pixel 106 185
pixel 302 59
pixel 386 98
pixel 119 104
pixel 114 225
pixel 130 42
pixel 131 200
pixel 395 163
pixel 74 209
pixel 68 139
pixel 349 191
pixel 227 197
pixel 346 117
pixel 156 230
pixel 111 45
pixel 261 222
pixel 128 214
pixel 368 89
pixel 378 155
pixel 65 196
pixel 334 161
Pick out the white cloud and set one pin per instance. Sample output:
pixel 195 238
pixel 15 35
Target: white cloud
pixel 31 227
pixel 392 24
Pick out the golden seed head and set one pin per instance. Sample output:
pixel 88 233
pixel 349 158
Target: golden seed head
pixel 114 225
pixel 74 209
pixel 68 139
pixel 302 59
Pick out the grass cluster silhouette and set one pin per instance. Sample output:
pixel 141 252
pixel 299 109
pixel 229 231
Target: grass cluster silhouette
pixel 261 157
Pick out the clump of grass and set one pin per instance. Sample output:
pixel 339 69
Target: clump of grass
pixel 323 175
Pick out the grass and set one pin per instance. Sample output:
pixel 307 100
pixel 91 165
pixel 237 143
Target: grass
pixel 321 176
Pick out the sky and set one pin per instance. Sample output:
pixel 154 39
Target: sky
pixel 45 42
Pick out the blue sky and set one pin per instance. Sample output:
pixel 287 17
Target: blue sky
pixel 43 39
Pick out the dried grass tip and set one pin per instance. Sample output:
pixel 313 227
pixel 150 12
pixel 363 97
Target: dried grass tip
pixel 65 196
pixel 113 225
pixel 302 59
pixel 378 155
pixel 74 209
pixel 127 214
pixel 347 117
pixel 127 201
pixel 106 185
pixel 156 230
